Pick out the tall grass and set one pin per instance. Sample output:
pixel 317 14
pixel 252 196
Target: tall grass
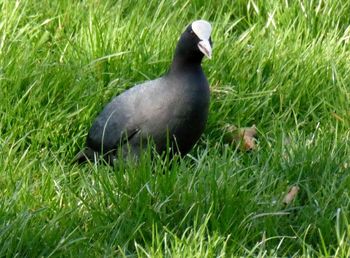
pixel 282 65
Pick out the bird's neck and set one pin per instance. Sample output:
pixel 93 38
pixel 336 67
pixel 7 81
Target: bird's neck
pixel 183 64
pixel 185 61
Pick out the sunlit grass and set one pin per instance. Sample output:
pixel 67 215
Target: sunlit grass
pixel 281 65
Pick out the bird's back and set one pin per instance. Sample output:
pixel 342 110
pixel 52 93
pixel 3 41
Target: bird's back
pixel 169 106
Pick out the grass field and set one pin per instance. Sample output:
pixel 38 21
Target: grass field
pixel 281 65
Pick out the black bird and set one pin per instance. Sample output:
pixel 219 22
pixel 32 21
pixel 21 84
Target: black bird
pixel 172 110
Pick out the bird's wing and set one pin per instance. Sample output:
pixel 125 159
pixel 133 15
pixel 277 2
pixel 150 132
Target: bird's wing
pixel 121 119
pixel 112 126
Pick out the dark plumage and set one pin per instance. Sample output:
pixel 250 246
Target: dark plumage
pixel 171 110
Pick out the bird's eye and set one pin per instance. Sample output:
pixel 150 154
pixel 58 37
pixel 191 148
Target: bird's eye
pixel 191 32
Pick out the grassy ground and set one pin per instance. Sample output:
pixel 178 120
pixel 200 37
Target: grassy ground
pixel 282 65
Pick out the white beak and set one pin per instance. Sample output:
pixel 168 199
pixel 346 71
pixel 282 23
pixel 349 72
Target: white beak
pixel 205 48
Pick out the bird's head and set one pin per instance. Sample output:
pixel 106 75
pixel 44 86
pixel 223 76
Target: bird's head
pixel 195 42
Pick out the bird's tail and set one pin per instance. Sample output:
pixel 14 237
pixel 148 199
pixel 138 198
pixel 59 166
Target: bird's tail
pixel 85 155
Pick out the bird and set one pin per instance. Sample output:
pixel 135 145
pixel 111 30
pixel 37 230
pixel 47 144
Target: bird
pixel 170 111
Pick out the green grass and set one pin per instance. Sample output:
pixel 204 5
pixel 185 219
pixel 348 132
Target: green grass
pixel 281 65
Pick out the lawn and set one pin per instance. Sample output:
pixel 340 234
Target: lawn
pixel 283 66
